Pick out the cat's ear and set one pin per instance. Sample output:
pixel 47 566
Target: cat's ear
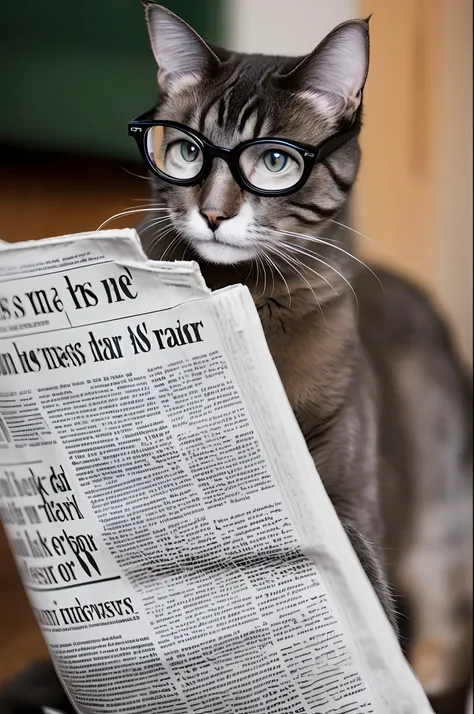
pixel 181 54
pixel 336 71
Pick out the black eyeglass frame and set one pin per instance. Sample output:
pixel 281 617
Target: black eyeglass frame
pixel 310 155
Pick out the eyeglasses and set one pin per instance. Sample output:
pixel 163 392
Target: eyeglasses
pixel 266 166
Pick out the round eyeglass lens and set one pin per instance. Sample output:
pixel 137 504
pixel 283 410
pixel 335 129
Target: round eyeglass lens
pixel 174 152
pixel 271 167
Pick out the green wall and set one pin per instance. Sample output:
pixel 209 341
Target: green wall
pixel 72 74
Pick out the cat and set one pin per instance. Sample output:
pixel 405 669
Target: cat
pixel 376 386
pixel 368 366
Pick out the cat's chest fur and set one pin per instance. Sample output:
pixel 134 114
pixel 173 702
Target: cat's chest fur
pixel 313 351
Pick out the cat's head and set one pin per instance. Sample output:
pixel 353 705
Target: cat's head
pixel 230 98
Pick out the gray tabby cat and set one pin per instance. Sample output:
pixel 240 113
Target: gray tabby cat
pixel 373 380
pixel 370 373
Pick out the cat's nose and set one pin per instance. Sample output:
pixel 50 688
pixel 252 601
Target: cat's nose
pixel 214 218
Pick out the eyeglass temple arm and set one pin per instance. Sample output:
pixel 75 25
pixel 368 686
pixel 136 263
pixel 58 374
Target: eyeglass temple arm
pixel 338 140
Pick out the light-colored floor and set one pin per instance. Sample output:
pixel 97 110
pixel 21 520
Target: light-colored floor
pixel 44 196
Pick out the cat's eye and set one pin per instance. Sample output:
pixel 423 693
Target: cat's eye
pixel 174 153
pixel 275 160
pixel 269 168
pixel 189 151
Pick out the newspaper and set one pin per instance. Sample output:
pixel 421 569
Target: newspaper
pixel 177 546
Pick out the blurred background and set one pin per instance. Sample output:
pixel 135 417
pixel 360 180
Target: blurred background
pixel 73 75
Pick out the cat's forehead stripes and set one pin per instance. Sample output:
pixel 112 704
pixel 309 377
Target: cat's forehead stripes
pixel 230 113
pixel 231 98
pixel 225 129
pixel 242 102
pixel 245 97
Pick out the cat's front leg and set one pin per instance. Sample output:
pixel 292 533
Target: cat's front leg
pixel 343 444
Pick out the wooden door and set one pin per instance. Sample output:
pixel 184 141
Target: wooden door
pixel 414 195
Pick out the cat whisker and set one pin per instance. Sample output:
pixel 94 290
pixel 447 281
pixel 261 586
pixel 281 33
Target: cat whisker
pixel 349 228
pixel 322 241
pixel 156 239
pixel 153 221
pixel 259 258
pixel 293 265
pixel 257 276
pixel 170 247
pixel 248 274
pixel 146 208
pixel 271 249
pixel 145 178
pixel 128 213
pixel 145 204
pixel 296 263
pixel 164 231
pixel 158 224
pixel 260 262
pixel 310 254
pixel 379 247
pixel 311 269
pixel 151 209
pixel 266 259
pixel 257 273
pixel 186 247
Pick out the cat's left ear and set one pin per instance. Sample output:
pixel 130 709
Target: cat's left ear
pixel 181 54
pixel 337 69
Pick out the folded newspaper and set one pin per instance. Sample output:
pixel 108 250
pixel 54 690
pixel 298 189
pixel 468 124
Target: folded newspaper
pixel 177 546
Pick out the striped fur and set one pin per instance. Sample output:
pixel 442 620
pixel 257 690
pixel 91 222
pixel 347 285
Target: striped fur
pixel 244 101
pixel 377 388
pixel 356 373
pixel 230 98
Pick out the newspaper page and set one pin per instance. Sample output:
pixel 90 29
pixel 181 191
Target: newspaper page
pixel 177 546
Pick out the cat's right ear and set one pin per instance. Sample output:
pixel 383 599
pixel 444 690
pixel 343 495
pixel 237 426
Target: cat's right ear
pixel 181 54
pixel 334 74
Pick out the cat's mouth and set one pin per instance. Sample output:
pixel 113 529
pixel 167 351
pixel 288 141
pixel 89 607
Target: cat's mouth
pixel 224 252
pixel 216 240
pixel 231 243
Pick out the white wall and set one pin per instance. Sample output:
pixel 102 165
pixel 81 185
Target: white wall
pixel 291 27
